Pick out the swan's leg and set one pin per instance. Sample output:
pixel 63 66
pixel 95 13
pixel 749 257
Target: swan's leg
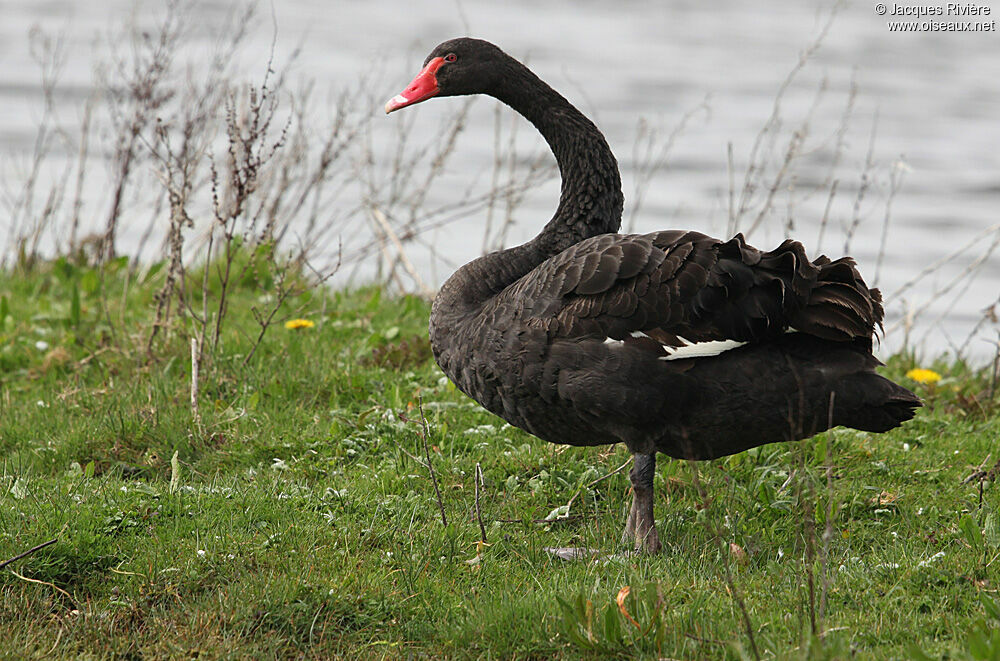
pixel 640 527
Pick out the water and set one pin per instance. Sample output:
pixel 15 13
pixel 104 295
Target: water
pixel 931 101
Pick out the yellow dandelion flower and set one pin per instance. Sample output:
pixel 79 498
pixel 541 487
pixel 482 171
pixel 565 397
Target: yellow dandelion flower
pixel 295 324
pixel 921 375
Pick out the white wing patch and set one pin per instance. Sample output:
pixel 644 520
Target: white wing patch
pixel 689 350
pixel 701 349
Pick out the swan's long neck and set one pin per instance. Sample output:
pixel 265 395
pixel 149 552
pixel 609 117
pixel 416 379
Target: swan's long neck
pixel 590 202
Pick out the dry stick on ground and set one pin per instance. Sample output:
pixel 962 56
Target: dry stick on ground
pixel 981 473
pixel 427 453
pixel 29 552
pixel 477 480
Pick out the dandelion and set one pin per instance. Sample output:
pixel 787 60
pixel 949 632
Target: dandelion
pixel 41 345
pixel 296 324
pixel 925 376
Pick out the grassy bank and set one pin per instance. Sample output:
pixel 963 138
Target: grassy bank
pixel 290 514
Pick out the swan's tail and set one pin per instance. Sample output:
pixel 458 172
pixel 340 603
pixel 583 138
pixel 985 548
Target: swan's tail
pixel 840 305
pixel 870 402
pixel 749 290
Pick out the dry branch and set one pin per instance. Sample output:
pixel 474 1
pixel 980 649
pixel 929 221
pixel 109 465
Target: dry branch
pixel 28 552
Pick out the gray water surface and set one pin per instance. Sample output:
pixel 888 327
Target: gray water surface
pixel 926 107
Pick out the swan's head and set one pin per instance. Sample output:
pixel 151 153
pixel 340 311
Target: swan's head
pixel 455 67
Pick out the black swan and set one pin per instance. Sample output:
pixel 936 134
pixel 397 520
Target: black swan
pixel 581 335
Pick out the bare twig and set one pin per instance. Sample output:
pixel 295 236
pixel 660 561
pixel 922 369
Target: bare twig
pixel 194 383
pixel 895 182
pixel 757 163
pixel 427 453
pixel 981 474
pixel 866 178
pixel 401 251
pixel 28 552
pixel 826 213
pixel 967 274
pixel 478 481
pixel 647 163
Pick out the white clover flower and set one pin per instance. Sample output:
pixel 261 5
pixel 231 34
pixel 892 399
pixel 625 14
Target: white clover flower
pixel 926 563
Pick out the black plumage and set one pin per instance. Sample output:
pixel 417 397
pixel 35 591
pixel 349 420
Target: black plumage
pixel 571 335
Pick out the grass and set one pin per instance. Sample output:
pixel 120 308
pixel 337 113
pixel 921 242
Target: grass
pixel 290 513
pixel 292 517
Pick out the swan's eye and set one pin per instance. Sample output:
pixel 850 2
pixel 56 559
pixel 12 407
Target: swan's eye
pixel 450 57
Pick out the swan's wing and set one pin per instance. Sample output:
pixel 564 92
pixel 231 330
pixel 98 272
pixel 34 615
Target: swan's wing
pixel 666 288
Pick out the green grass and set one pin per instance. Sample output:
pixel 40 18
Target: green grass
pixel 296 522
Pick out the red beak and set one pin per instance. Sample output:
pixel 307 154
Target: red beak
pixel 423 87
